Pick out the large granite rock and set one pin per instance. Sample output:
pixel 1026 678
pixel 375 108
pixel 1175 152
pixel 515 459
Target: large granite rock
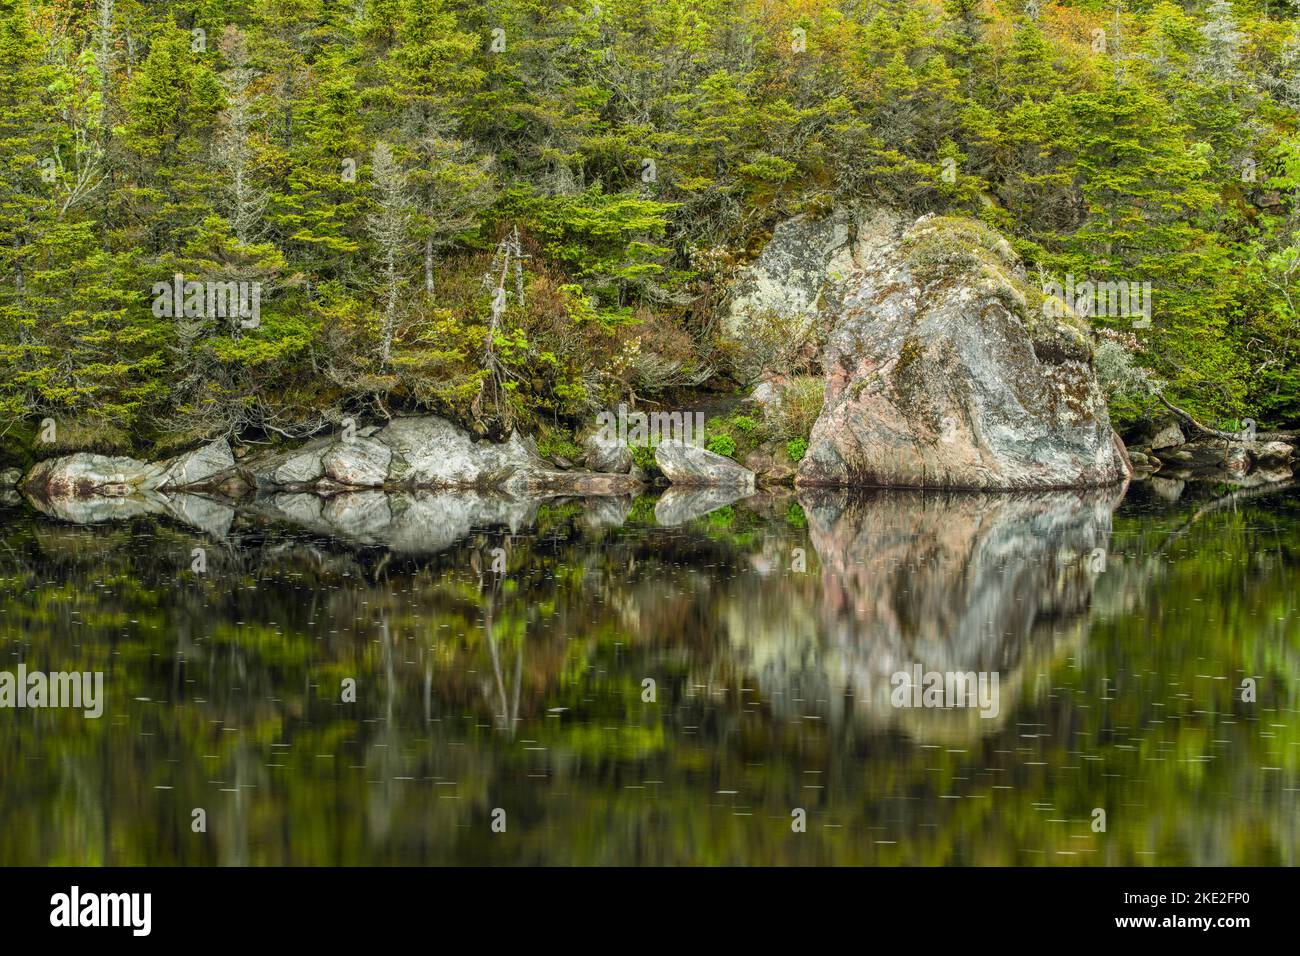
pixel 778 301
pixel 198 467
pixel 686 464
pixel 86 475
pixel 947 370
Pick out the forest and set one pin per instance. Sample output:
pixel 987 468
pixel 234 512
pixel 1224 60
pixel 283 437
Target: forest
pixel 518 213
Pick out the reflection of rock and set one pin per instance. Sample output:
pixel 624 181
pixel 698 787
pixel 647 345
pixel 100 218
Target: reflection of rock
pixel 407 523
pixel 945 371
pixel 99 508
pixel 1167 488
pixel 1244 463
pixel 606 512
pixel 958 583
pixel 206 514
pixel 686 464
pixel 682 504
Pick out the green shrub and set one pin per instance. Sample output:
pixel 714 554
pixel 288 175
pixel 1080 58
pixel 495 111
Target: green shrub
pixel 558 445
pixel 721 444
pixel 643 456
pixel 796 448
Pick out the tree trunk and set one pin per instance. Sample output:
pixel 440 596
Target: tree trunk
pixel 428 266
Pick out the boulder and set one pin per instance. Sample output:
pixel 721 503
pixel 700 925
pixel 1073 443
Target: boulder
pixel 10 477
pixel 85 475
pixel 613 457
pixel 796 274
pixel 685 464
pixel 359 463
pixel 779 301
pixel 946 369
pixel 198 467
pixel 767 393
pixel 771 464
pixel 431 452
pixel 1168 437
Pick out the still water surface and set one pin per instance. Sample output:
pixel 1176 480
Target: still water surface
pixel 1121 629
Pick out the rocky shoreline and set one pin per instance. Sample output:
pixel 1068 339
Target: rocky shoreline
pixel 945 369
pixel 406 454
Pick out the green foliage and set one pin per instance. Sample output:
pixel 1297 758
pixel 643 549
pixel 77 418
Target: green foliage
pixel 796 448
pixel 643 456
pixel 556 444
pixel 640 157
pixel 796 409
pixel 721 444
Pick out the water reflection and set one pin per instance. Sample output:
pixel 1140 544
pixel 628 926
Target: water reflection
pixel 955 583
pixel 501 650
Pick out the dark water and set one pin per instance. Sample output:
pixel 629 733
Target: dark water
pixel 1120 631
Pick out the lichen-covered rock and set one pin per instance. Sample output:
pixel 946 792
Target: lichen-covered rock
pixel 10 477
pixel 778 300
pixel 431 452
pixel 197 467
pixel 613 457
pixel 946 371
pixel 86 475
pixel 1168 437
pixel 685 464
pixel 358 462
pixel 299 467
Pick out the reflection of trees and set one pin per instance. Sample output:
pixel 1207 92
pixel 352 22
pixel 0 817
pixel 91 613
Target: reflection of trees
pixel 253 655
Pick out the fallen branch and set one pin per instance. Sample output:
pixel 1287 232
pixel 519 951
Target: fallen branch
pixel 1216 433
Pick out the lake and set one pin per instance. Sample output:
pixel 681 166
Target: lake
pixel 455 678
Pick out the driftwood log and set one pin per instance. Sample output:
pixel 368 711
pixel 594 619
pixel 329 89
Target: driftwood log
pixel 1201 429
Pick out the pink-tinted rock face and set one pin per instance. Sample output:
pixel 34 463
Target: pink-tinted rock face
pixel 944 371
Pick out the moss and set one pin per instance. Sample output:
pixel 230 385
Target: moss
pixel 558 444
pixel 949 249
